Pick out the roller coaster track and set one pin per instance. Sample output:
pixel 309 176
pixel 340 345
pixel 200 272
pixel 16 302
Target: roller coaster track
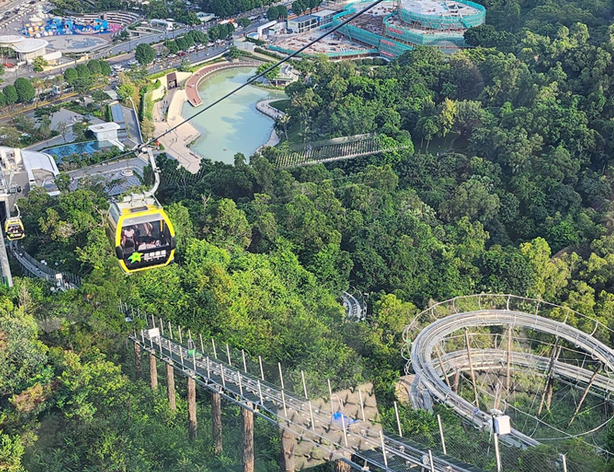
pixel 356 312
pixel 497 358
pixel 361 444
pixel 429 377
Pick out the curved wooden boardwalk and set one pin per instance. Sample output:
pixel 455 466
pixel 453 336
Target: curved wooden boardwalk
pixel 191 85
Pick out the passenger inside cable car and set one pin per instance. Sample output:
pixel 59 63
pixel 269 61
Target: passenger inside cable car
pixel 14 229
pixel 143 236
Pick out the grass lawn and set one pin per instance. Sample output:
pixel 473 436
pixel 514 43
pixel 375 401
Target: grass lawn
pixel 281 105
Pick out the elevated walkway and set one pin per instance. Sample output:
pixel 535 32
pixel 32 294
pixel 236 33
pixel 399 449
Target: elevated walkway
pixel 337 149
pixel 336 432
pixel 31 266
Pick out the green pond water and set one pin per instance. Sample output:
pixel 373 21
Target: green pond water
pixel 233 125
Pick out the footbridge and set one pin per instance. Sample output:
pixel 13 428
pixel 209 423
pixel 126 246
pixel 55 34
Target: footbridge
pixel 334 432
pixel 35 268
pixel 337 149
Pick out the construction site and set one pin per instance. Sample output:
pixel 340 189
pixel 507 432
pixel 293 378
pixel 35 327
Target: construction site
pixel 391 28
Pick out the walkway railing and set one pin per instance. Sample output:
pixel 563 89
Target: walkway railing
pixel 338 149
pixel 37 269
pixel 358 442
pixel 191 85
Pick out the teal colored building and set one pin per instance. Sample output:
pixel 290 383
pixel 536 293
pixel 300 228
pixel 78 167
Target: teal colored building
pixel 397 27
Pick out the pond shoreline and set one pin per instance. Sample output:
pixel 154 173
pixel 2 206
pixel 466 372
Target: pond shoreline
pixel 244 123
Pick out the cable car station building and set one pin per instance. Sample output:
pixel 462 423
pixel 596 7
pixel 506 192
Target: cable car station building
pixel 21 171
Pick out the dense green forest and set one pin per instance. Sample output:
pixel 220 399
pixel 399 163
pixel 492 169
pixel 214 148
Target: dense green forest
pixel 508 188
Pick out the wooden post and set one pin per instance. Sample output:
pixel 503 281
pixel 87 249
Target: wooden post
pixel 153 372
pixel 588 387
pixel 191 409
pixel 341 466
pixel 170 386
pixel 137 360
pixel 553 356
pixel 443 372
pixel 475 389
pixel 248 440
pixel 509 359
pixel 550 393
pixel 456 379
pixel 287 450
pixel 216 421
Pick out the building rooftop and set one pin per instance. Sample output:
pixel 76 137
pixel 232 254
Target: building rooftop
pixel 438 7
pixel 30 45
pixel 104 127
pixel 303 18
pixel 22 44
pixel 37 169
pixel 118 113
pixel 323 13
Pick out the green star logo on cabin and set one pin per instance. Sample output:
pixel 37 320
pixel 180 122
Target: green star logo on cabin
pixel 135 257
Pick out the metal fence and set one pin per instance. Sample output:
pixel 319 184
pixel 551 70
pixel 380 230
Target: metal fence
pixel 309 406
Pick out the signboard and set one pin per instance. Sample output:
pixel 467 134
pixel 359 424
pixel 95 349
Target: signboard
pixel 502 425
pixel 152 333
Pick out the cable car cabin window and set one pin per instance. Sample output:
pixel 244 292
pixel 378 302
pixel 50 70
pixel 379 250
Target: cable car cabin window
pixel 114 214
pixel 145 241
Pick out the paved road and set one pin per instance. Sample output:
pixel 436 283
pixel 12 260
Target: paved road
pixel 133 43
pixel 196 56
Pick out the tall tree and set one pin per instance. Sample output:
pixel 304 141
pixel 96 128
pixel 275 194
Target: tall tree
pixel 144 54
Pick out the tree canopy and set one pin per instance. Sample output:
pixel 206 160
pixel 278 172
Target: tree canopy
pixel 504 186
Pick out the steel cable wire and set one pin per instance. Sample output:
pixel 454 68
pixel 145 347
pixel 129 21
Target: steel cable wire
pixel 330 31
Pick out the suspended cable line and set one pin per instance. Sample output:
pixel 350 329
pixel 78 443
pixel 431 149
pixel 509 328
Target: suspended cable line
pixel 138 148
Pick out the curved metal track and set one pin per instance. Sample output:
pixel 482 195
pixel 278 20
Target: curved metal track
pixel 489 358
pixel 421 356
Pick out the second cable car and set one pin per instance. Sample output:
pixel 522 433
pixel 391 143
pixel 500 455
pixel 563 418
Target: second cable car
pixel 13 227
pixel 141 233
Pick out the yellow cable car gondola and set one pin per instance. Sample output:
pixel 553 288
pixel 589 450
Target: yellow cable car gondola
pixel 13 227
pixel 140 231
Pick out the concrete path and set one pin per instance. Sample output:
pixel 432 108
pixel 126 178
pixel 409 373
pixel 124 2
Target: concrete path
pixel 265 108
pixel 176 142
